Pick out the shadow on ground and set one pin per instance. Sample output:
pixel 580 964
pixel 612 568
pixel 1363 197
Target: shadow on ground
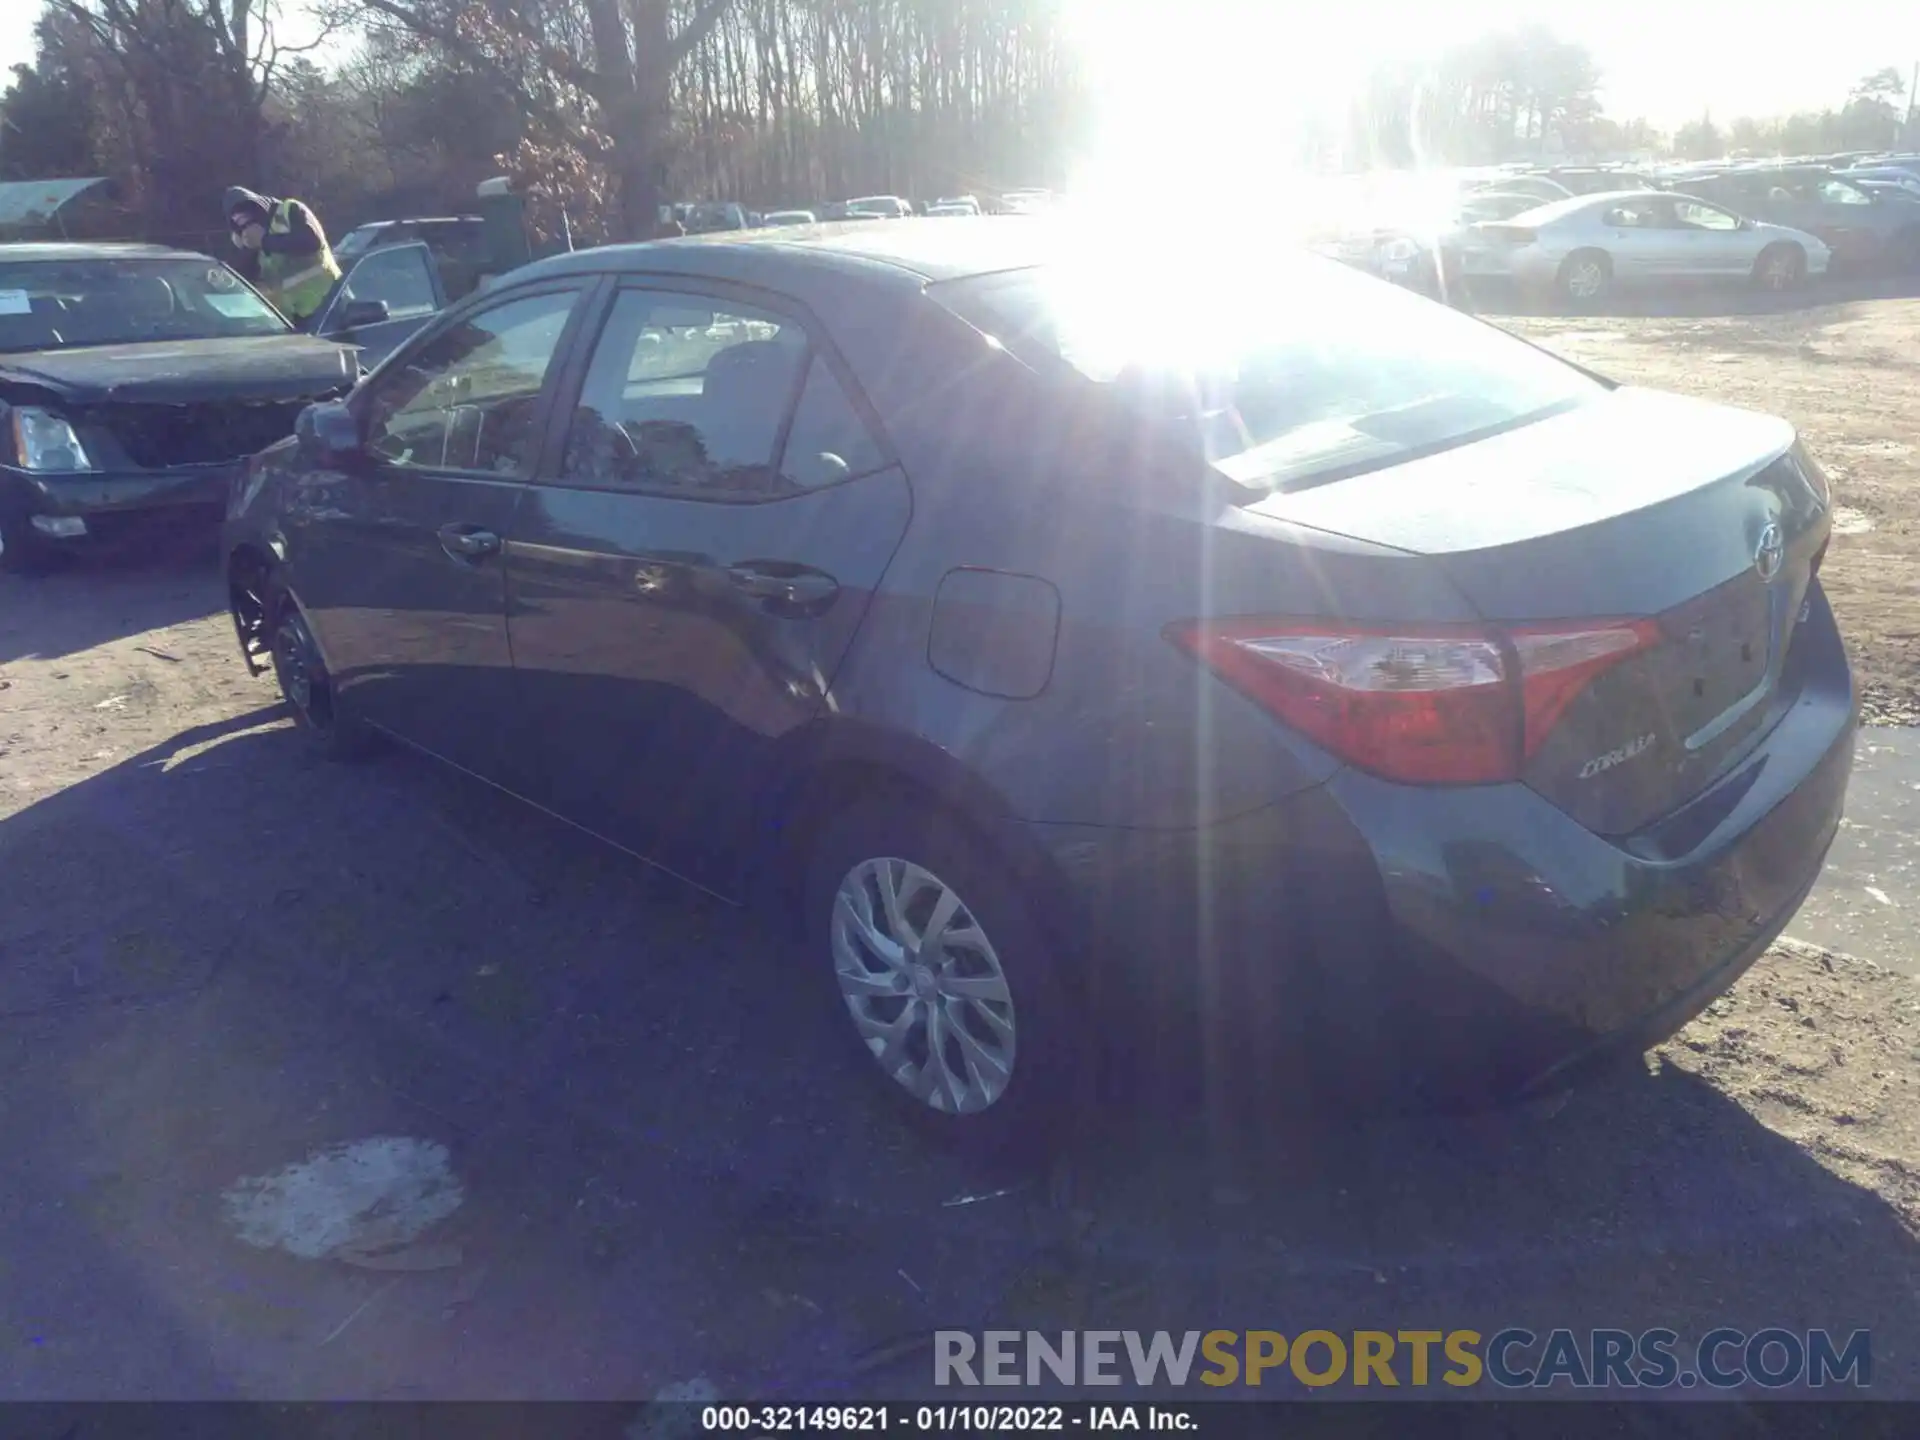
pixel 42 617
pixel 222 956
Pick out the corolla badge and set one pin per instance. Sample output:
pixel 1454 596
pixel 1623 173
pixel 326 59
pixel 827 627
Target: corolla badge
pixel 1600 764
pixel 1771 553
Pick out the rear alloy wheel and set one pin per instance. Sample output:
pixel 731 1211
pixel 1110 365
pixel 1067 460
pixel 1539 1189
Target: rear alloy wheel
pixel 1780 268
pixel 1586 276
pixel 308 688
pixel 945 979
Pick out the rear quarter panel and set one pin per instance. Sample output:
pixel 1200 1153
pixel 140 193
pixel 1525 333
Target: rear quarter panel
pixel 1014 474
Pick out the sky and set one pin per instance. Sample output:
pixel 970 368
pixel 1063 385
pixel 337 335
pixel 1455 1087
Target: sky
pixel 1665 59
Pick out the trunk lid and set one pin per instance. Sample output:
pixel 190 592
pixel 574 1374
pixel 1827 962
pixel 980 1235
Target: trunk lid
pixel 1636 505
pixel 175 372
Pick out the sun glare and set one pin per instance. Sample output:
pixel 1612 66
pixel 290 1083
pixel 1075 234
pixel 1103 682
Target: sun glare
pixel 1200 105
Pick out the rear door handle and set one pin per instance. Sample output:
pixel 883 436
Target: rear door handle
pixel 467 542
pixel 784 587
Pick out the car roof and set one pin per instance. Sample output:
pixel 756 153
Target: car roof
pixel 910 252
pixel 93 250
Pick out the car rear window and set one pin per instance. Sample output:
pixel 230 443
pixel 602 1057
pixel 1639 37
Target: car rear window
pixel 1301 373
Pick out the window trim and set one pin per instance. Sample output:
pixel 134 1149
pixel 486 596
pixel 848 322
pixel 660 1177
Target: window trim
pixel 366 396
pixel 719 293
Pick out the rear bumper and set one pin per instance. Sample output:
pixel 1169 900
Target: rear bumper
pixel 1472 943
pixel 111 503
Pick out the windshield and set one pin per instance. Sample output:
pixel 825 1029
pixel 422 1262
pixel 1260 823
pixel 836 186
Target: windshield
pixel 1284 375
pixel 62 304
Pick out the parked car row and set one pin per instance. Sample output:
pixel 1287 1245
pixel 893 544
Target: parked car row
pixel 701 219
pixel 1580 232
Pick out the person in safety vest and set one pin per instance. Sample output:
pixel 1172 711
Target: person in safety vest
pixel 297 267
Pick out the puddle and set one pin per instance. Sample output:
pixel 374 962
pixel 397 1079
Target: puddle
pixel 1849 521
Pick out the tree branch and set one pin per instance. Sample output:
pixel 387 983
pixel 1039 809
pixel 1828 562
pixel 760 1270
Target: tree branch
pixel 696 29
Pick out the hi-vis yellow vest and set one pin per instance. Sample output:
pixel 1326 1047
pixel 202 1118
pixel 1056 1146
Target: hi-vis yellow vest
pixel 298 293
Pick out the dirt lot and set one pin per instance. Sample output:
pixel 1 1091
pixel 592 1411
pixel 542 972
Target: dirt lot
pixel 1847 372
pixel 218 958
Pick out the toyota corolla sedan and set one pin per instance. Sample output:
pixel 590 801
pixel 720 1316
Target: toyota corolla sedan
pixel 1073 643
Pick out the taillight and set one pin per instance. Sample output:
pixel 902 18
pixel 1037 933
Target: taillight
pixel 1558 662
pixel 1434 705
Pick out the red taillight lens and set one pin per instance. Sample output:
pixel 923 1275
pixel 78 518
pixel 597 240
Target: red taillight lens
pixel 1428 705
pixel 1557 663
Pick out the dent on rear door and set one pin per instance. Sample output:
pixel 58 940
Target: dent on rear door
pixel 655 684
pixel 679 604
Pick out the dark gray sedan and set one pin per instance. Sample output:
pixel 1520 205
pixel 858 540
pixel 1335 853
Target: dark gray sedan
pixel 1083 650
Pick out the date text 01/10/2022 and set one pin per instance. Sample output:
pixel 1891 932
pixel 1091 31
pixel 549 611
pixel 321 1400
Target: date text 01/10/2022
pixel 941 1419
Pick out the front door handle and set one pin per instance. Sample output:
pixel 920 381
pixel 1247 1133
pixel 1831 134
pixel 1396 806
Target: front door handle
pixel 465 542
pixel 785 587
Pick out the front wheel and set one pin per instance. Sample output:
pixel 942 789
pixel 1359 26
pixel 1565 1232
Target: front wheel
pixel 945 979
pixel 308 688
pixel 1585 277
pixel 1780 268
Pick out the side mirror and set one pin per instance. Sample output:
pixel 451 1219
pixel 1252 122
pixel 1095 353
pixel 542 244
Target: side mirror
pixel 328 432
pixel 356 313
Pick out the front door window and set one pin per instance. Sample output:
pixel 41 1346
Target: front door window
pixel 469 399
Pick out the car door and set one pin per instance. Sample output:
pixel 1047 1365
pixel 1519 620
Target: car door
pixel 395 555
pixel 1709 241
pixel 1796 200
pixel 1631 235
pixel 384 298
pixel 685 585
pixel 1861 229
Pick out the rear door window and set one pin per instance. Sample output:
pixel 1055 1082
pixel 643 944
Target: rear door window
pixel 828 440
pixel 686 396
pixel 1694 216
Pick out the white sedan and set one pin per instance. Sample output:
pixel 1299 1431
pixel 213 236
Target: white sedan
pixel 1583 247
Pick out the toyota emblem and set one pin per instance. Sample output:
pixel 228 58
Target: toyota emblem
pixel 1771 553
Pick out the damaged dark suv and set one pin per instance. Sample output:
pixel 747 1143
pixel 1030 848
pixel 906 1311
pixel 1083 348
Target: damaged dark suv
pixel 134 379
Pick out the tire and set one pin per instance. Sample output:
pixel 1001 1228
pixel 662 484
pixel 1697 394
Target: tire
pixel 1021 1078
pixel 1780 268
pixel 21 551
pixel 1585 277
pixel 306 687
